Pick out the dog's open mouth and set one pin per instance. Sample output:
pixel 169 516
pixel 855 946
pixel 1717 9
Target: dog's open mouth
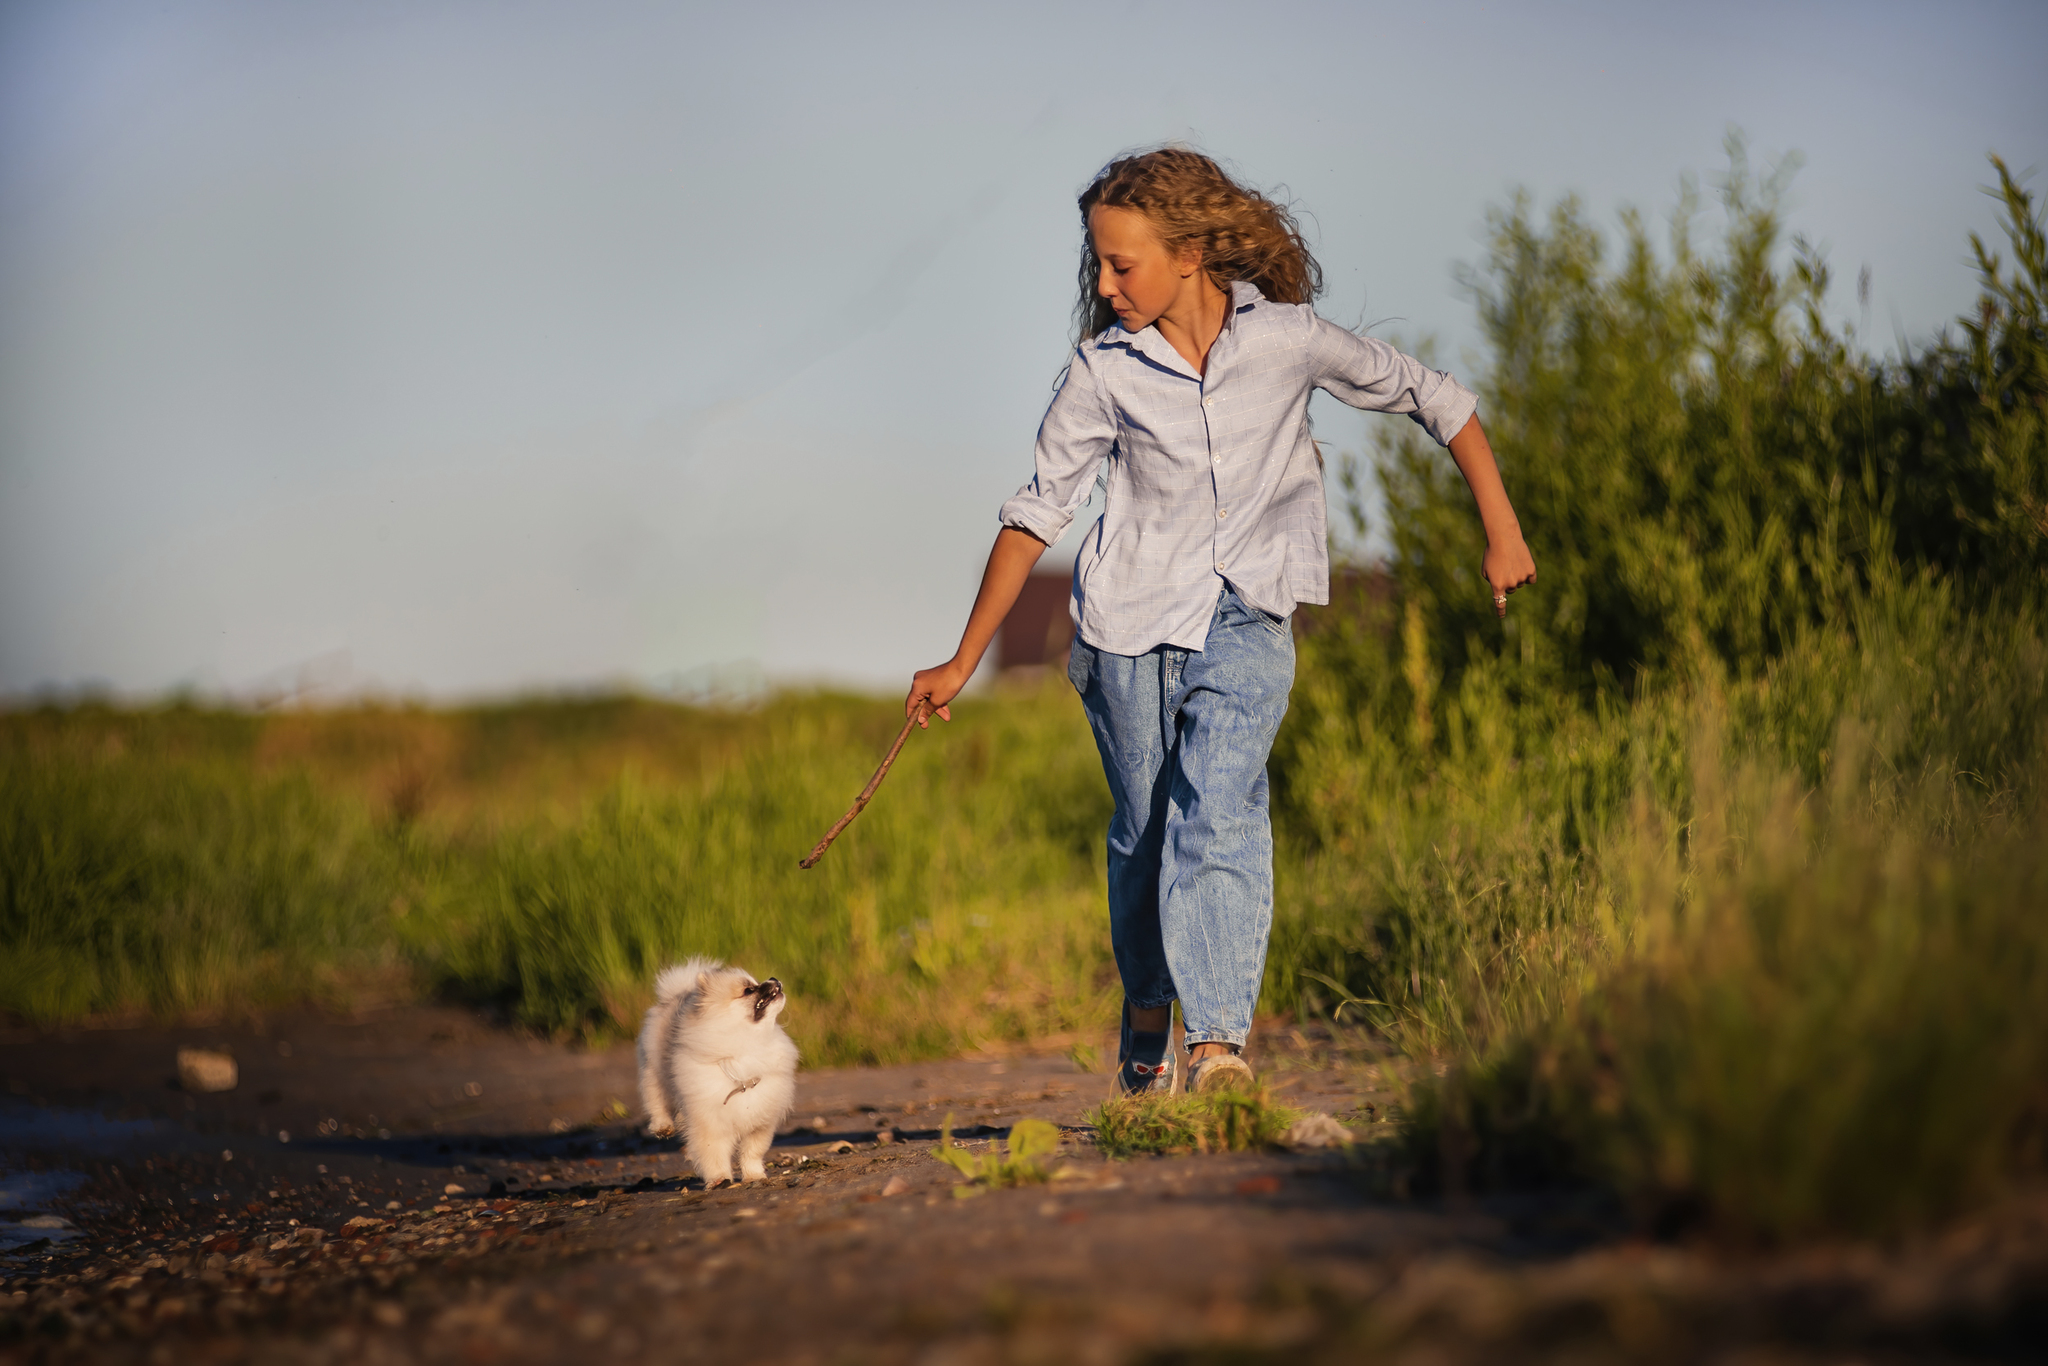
pixel 765 994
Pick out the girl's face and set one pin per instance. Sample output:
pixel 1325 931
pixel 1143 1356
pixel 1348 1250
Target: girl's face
pixel 1139 278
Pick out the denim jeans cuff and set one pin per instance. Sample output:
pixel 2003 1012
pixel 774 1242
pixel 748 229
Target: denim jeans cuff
pixel 1235 1038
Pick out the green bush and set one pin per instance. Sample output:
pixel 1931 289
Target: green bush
pixel 1705 468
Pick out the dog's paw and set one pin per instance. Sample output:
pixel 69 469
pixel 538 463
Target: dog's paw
pixel 660 1130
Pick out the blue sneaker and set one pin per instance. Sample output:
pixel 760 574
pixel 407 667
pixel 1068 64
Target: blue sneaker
pixel 1144 1061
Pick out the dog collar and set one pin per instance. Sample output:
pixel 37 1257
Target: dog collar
pixel 744 1083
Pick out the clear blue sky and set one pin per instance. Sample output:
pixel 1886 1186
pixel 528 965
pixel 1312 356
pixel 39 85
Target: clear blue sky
pixel 463 348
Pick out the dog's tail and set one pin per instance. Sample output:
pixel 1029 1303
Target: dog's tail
pixel 679 981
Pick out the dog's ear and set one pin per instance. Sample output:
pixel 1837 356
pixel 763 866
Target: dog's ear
pixel 703 984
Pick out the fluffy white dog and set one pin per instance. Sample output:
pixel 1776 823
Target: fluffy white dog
pixel 715 1062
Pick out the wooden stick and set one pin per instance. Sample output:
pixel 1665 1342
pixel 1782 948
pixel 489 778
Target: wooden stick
pixel 818 851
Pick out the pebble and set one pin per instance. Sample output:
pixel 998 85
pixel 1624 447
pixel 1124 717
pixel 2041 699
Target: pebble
pixel 203 1070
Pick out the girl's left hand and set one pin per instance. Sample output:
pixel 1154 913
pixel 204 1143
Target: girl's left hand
pixel 1508 565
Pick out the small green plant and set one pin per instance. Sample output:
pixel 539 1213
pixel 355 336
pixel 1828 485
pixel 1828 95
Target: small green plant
pixel 1213 1122
pixel 1032 1144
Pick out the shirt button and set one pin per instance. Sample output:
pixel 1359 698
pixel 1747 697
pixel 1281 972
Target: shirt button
pixel 1222 512
pixel 1208 403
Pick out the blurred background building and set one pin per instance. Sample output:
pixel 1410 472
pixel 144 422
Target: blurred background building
pixel 1039 629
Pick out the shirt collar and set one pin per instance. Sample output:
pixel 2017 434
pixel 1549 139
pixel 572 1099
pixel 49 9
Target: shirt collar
pixel 1148 343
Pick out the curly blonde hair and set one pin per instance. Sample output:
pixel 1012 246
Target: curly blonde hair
pixel 1192 201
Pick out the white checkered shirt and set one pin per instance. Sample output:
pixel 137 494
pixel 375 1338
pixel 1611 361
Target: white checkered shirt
pixel 1209 478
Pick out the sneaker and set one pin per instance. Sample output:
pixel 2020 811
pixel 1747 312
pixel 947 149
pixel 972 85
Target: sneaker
pixel 1219 1072
pixel 1134 1078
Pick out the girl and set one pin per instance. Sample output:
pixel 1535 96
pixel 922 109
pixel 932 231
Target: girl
pixel 1198 351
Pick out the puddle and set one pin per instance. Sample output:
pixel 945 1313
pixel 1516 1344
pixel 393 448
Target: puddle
pixel 25 1223
pixel 24 1194
pixel 33 1235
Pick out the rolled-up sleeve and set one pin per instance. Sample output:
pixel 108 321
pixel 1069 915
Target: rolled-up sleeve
pixel 1077 433
pixel 1369 374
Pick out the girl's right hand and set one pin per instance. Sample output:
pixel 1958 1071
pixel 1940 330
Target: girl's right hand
pixel 936 687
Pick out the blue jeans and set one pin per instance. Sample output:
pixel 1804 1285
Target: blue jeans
pixel 1184 736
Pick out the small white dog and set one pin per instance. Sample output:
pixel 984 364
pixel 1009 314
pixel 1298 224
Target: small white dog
pixel 713 1056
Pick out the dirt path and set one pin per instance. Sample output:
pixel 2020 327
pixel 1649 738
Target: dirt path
pixel 423 1187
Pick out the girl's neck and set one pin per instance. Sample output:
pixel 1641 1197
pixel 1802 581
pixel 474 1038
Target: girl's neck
pixel 1194 320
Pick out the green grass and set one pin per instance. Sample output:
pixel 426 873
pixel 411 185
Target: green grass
pixel 1421 892
pixel 962 904
pixel 1212 1122
pixel 1774 1008
pixel 547 859
pixel 132 880
pixel 1805 1012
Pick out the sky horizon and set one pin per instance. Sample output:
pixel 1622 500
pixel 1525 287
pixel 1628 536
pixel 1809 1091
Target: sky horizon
pixel 450 350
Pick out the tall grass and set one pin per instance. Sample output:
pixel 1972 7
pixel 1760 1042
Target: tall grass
pixel 547 858
pixel 964 905
pixel 1408 878
pixel 130 878
pixel 1801 1012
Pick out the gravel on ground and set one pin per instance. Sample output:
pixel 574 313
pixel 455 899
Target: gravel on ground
pixel 422 1185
